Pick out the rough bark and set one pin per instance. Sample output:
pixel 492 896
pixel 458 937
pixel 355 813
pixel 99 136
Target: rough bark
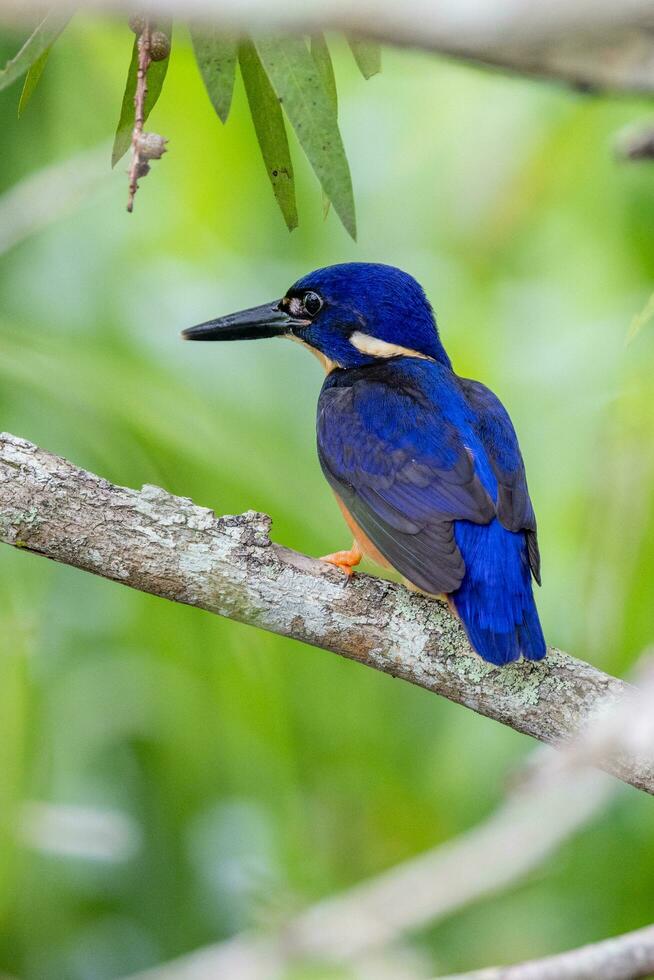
pixel 170 547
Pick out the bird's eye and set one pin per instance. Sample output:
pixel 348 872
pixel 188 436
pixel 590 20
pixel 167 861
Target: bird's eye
pixel 312 303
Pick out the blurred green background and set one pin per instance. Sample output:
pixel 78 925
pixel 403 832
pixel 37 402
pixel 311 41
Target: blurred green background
pixel 229 777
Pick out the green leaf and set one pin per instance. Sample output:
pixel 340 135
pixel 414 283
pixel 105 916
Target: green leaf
pixel 321 56
pixel 367 55
pixel 41 38
pixel 296 80
pixel 216 58
pixel 32 80
pixel 271 132
pixel 156 74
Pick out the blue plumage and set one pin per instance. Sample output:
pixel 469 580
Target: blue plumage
pixel 370 297
pixel 495 599
pixel 426 465
pixel 414 464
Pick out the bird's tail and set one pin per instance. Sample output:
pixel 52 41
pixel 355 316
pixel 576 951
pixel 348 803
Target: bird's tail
pixel 495 600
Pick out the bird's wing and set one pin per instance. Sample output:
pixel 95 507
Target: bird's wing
pixel 404 474
pixel 497 435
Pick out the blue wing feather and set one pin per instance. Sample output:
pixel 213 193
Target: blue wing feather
pixel 402 469
pixel 429 466
pixel 495 429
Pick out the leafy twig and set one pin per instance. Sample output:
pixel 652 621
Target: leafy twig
pixel 151 46
pixel 139 166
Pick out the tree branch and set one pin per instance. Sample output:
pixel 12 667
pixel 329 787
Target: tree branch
pixel 596 43
pixel 170 547
pixel 626 957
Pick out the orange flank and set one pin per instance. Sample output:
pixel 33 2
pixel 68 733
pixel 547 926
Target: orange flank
pixel 361 546
pixel 364 546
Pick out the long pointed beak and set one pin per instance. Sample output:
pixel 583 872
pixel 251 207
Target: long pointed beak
pixel 269 320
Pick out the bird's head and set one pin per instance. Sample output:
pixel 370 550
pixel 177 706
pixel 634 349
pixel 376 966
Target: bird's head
pixel 352 314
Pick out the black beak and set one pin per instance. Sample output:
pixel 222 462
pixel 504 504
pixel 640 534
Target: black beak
pixel 269 320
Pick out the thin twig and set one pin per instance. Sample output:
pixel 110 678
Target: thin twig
pixel 137 165
pixel 626 957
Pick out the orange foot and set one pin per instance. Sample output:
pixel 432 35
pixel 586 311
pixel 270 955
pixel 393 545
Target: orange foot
pixel 345 560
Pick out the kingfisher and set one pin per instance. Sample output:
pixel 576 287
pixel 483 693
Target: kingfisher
pixel 425 465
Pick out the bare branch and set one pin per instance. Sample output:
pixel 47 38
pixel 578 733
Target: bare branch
pixel 626 957
pixel 375 915
pixel 624 729
pixel 170 547
pixel 501 850
pixel 589 43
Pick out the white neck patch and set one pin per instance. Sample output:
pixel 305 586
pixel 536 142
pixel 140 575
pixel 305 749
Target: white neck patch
pixel 328 364
pixel 374 347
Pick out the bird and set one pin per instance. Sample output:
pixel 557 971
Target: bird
pixel 425 464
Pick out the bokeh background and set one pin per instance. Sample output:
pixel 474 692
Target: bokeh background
pixel 168 778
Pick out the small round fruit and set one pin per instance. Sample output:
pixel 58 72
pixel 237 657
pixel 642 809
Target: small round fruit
pixel 151 146
pixel 137 24
pixel 159 46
